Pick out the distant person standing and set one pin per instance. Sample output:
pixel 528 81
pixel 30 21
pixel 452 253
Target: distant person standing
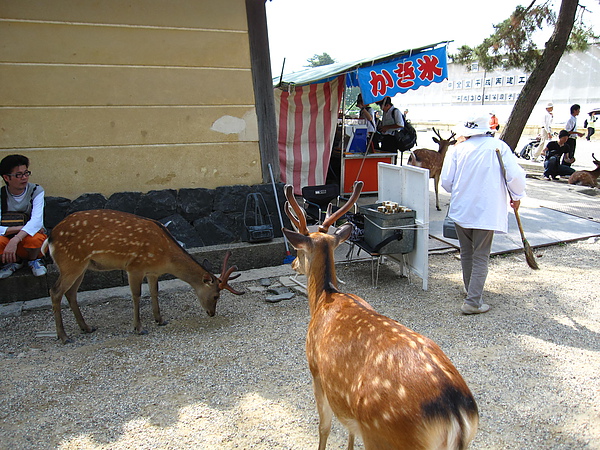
pixel 494 124
pixel 571 127
pixel 590 125
pixel 368 114
pixel 545 132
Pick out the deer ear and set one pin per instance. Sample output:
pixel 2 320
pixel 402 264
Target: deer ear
pixel 298 241
pixel 207 278
pixel 343 232
pixel 207 265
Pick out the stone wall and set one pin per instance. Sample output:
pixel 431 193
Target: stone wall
pixel 196 217
pixel 207 222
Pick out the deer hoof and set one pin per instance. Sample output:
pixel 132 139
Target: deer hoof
pixel 66 340
pixel 162 323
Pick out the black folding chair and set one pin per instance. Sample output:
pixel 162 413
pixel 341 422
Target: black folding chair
pixel 317 198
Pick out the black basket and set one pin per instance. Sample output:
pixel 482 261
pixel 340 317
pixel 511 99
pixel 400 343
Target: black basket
pixel 257 221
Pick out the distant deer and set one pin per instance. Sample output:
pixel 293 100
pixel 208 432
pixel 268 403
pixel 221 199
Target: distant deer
pixel 432 160
pixel 107 240
pixel 386 383
pixel 586 177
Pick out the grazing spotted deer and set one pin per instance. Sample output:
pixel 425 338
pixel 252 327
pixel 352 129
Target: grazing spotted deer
pixel 432 160
pixel 586 177
pixel 386 383
pixel 107 240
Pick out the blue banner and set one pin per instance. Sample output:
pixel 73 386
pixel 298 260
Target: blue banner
pixel 398 76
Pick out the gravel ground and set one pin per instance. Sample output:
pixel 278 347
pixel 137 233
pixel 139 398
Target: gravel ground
pixel 240 380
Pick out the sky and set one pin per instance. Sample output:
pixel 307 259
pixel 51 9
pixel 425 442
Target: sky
pixel 350 29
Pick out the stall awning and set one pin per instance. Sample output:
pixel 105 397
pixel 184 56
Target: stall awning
pixel 378 76
pixel 307 103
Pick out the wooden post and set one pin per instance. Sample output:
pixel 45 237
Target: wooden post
pixel 263 87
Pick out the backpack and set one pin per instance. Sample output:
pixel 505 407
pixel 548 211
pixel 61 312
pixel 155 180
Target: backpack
pixel 12 218
pixel 406 137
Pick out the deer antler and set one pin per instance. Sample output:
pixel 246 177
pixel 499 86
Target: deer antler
pixel 437 133
pixel 330 219
pixel 295 213
pixel 594 158
pixel 226 276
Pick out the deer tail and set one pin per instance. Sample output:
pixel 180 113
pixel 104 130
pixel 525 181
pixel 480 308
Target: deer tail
pixel 44 248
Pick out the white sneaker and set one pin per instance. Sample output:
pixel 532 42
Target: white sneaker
pixel 37 267
pixel 8 269
pixel 469 309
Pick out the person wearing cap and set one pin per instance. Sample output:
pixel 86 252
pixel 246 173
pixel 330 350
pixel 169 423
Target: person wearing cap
pixel 553 153
pixel 545 132
pixel 479 201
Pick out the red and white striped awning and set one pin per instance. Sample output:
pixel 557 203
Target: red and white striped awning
pixel 306 117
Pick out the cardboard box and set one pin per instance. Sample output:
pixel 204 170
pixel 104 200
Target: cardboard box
pixel 379 226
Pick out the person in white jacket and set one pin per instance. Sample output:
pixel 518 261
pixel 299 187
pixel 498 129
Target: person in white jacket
pixel 545 132
pixel 479 201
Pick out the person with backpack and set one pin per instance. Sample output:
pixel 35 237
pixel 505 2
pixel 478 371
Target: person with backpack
pixel 391 122
pixel 22 230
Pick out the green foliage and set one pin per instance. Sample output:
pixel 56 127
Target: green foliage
pixel 319 60
pixel 512 43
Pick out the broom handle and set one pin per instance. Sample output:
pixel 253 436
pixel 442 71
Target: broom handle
pixel 509 194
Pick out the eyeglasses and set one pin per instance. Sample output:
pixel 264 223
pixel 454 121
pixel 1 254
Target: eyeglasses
pixel 19 174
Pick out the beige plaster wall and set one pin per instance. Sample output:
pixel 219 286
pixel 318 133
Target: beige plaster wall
pixel 111 96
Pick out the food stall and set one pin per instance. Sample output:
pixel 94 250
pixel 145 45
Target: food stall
pixel 308 115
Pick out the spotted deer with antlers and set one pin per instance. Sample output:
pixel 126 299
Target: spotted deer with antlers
pixel 433 160
pixel 107 240
pixel 386 383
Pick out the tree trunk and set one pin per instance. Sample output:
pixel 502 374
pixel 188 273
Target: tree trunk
pixel 555 47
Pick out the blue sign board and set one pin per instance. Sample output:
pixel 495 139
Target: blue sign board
pixel 398 76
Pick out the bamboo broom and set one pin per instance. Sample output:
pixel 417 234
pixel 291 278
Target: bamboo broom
pixel 531 262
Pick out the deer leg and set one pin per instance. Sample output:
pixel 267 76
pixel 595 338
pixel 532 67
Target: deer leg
pixel 135 285
pixel 325 413
pixel 437 198
pixel 71 295
pixel 153 286
pixel 67 285
pixel 350 440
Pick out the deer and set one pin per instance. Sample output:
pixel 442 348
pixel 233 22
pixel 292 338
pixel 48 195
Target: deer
pixel 432 160
pixel 104 239
pixel 389 385
pixel 586 177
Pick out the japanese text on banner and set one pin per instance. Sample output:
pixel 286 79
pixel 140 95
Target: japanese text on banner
pixel 396 77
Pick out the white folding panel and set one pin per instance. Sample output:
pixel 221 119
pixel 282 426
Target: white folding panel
pixel 409 186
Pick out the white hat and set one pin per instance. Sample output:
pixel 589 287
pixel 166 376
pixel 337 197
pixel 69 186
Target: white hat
pixel 549 105
pixel 475 127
